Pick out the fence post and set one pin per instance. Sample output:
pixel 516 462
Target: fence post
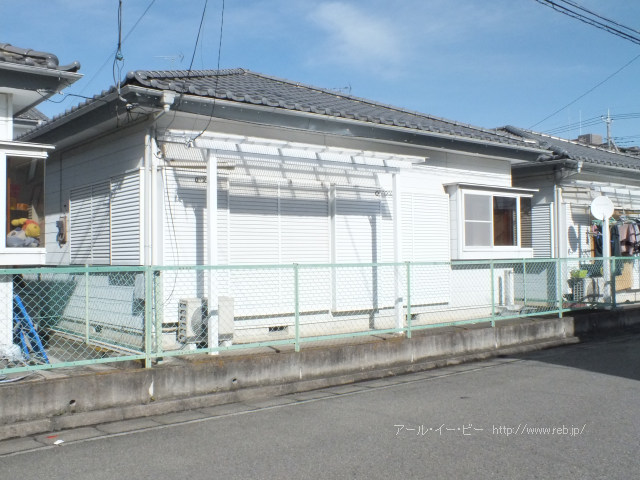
pixel 296 294
pixel 409 319
pixel 613 271
pixel 148 317
pixel 86 304
pixel 524 281
pixel 157 310
pixel 559 286
pixel 493 294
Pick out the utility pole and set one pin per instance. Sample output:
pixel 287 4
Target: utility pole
pixel 608 121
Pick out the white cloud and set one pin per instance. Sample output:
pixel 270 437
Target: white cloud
pixel 357 38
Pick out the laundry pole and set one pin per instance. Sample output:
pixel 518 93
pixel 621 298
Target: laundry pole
pixel 602 209
pixel 212 249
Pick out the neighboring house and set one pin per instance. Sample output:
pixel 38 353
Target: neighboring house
pixel 27 78
pixel 28 121
pixel 235 167
pixel 569 177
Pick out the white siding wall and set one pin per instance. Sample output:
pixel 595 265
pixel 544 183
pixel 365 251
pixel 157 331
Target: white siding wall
pixel 83 167
pixel 454 168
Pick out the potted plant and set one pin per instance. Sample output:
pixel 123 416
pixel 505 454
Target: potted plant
pixel 578 273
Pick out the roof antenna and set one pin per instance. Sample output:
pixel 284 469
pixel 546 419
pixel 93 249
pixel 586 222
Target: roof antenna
pixel 172 59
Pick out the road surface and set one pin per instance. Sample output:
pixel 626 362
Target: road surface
pixel 570 412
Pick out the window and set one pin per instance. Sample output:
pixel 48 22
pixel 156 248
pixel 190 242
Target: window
pixel 477 223
pixel 505 214
pixel 492 220
pixel 25 202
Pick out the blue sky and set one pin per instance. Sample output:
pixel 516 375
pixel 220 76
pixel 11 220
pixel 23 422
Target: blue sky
pixel 484 62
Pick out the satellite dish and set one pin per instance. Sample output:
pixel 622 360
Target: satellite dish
pixel 601 207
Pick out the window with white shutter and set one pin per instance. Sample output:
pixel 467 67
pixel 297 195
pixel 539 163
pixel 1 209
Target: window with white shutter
pixel 89 225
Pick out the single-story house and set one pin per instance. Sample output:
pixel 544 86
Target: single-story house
pixel 568 178
pixel 27 78
pixel 233 167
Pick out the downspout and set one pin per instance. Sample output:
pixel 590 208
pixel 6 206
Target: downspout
pixel 147 201
pixel 213 324
pixel 151 255
pixel 397 255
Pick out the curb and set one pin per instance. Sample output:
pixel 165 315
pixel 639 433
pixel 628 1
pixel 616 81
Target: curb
pixel 95 417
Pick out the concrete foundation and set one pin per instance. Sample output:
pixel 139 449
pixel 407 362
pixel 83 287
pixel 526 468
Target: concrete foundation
pixel 60 399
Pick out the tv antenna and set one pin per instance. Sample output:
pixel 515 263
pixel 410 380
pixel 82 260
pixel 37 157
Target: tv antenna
pixel 172 59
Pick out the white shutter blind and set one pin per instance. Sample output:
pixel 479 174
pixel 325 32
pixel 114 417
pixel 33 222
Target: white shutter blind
pixel 304 224
pixel 360 232
pixel 578 225
pixel 100 224
pixel 185 234
pixel 125 219
pixel 185 216
pixel 80 225
pixel 89 231
pixel 425 238
pixel 425 228
pixel 541 227
pixel 254 224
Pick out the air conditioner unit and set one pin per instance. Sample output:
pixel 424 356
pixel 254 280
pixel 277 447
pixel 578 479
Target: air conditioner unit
pixel 192 314
pixel 504 287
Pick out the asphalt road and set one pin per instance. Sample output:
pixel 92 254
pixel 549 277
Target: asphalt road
pixel 570 412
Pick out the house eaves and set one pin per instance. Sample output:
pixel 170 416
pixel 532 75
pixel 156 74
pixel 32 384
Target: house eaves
pixel 33 81
pixel 292 105
pixel 568 152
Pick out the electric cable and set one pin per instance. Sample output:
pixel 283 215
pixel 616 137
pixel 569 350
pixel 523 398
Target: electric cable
pixel 195 47
pixel 590 12
pixel 590 21
pixel 111 55
pixel 587 92
pixel 215 87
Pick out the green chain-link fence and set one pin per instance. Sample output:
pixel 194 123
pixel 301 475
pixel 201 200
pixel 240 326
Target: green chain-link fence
pixel 67 316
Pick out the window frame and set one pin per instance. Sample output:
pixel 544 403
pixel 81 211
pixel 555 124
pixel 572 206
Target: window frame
pixel 492 195
pixel 12 256
pixel 461 251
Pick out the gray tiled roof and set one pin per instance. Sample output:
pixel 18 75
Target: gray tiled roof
pixel 240 85
pixel 26 56
pixel 34 114
pixel 577 151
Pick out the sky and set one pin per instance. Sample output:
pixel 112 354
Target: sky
pixel 487 63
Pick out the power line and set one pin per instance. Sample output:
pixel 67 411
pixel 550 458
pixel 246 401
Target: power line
pixel 590 122
pixel 195 47
pixel 193 56
pixel 587 92
pixel 215 87
pixel 590 12
pixel 110 56
pixel 606 25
